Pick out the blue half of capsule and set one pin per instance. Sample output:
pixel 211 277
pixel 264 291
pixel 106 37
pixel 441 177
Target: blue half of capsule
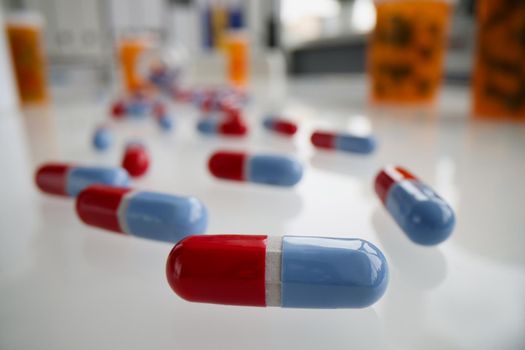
pixel 274 170
pixel 78 178
pixel 355 144
pixel 268 123
pixel 164 217
pixel 422 214
pixel 208 126
pixel 320 272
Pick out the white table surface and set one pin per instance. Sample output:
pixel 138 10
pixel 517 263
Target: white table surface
pixel 64 285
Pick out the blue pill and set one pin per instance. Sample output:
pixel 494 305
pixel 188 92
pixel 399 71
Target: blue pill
pixel 344 142
pixel 321 272
pixel 79 178
pixel 166 123
pixel 163 217
pixel 102 139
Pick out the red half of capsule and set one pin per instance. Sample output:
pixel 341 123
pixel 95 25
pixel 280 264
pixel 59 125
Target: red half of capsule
pixel 98 206
pixel 387 177
pixel 233 126
pixel 285 127
pixel 52 177
pixel 323 140
pixel 223 269
pixel 228 165
pixel 136 160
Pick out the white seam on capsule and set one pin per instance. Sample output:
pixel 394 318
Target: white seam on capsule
pixel 121 211
pixel 66 183
pixel 246 168
pixel 272 274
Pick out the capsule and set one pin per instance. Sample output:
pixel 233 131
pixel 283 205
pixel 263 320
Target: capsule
pixel 264 169
pixel 157 216
pixel 228 127
pixel 68 180
pixel 343 142
pixel 118 109
pixel 102 138
pixel 280 126
pixel 165 122
pixel 136 159
pixel 288 271
pixel 420 212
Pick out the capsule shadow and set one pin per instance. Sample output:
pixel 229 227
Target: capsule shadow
pixel 343 163
pixel 251 208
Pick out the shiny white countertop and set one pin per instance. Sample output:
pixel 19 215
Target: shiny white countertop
pixel 64 285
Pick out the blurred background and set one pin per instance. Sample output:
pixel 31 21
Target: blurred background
pixel 80 39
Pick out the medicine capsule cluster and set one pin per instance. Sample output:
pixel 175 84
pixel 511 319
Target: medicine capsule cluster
pixel 246 270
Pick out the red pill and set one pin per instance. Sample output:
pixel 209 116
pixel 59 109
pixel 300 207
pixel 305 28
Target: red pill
pixel 136 159
pixel 118 109
pixel 280 126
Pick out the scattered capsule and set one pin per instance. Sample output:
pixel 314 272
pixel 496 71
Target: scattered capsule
pixel 165 122
pixel 68 180
pixel 102 138
pixel 216 126
pixel 280 126
pixel 118 110
pixel 157 216
pixel 288 271
pixel 421 213
pixel 264 169
pixel 136 159
pixel 343 142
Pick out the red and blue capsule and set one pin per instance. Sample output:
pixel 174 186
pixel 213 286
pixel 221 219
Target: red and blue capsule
pixel 150 215
pixel 287 271
pixel 280 126
pixel 343 142
pixel 420 212
pixel 266 169
pixel 68 180
pixel 230 126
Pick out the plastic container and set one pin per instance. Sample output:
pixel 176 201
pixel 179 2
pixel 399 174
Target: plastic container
pixel 130 50
pixel 237 52
pixel 499 73
pixel 406 50
pixel 24 34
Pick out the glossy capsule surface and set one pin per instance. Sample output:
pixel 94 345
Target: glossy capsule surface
pixel 420 212
pixel 215 126
pixel 136 159
pixel 68 180
pixel 280 126
pixel 343 142
pixel 102 138
pixel 264 169
pixel 151 215
pixel 287 271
